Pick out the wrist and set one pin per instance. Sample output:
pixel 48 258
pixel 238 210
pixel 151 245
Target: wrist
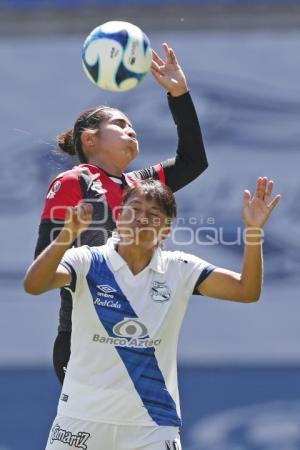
pixel 253 235
pixel 66 237
pixel 178 92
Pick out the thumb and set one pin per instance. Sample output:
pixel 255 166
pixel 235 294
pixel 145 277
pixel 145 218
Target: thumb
pixel 247 198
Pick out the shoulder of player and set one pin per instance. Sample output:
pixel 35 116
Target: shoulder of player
pixel 68 179
pixel 68 176
pixel 178 257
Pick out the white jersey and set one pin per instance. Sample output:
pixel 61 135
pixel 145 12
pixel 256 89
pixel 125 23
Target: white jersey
pixel 125 328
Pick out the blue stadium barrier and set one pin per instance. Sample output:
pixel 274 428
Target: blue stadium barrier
pixel 247 408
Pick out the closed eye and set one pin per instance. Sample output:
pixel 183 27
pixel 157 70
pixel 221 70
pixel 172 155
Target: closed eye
pixel 122 123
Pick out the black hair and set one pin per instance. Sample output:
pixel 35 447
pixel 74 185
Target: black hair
pixel 156 191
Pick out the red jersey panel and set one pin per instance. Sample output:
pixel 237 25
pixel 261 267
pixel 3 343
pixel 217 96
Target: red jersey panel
pixel 67 189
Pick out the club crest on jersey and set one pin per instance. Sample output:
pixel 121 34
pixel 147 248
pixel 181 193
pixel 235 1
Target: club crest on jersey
pixel 160 292
pixel 97 187
pixel 55 188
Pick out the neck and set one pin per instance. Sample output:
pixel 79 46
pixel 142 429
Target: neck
pixel 137 257
pixel 108 167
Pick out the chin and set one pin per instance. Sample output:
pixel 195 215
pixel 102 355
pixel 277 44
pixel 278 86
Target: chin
pixel 134 151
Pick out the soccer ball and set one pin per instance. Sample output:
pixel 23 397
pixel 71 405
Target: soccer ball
pixel 116 56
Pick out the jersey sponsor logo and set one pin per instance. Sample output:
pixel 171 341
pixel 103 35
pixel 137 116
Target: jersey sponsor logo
pixel 160 292
pixel 131 333
pixel 130 328
pixel 77 440
pixel 105 291
pixel 106 288
pixel 107 303
pixel 55 188
pixel 129 343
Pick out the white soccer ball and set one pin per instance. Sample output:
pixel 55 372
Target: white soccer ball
pixel 116 56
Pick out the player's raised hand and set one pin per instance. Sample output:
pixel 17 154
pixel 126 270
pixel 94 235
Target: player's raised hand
pixel 78 218
pixel 168 72
pixel 257 208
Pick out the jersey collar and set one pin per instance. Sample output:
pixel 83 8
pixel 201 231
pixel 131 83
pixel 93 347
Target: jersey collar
pixel 117 262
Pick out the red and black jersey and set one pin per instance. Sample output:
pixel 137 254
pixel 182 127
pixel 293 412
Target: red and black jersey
pixel 93 184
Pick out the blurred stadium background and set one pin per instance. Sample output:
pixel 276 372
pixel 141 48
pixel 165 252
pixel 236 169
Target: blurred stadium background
pixel 239 364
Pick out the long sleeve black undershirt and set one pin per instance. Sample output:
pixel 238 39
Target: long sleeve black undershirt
pixel 190 160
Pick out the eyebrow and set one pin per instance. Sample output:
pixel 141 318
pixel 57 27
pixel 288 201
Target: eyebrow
pixel 120 119
pixel 140 202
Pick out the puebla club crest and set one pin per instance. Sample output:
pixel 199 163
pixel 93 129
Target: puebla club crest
pixel 160 292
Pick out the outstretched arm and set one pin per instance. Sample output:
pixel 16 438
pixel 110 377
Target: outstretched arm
pixel 190 160
pixel 245 287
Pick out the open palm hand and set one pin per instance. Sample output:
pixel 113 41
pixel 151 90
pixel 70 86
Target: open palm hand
pixel 257 208
pixel 168 72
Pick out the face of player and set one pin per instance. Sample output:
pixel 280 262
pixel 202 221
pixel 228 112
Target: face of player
pixel 116 143
pixel 142 222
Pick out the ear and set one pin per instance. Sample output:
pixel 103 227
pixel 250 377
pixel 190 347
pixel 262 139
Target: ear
pixel 88 141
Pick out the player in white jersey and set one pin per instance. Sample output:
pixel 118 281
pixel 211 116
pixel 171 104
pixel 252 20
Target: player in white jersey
pixel 129 299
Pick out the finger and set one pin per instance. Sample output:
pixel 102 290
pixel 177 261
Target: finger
pixel 167 52
pixel 268 191
pixel 84 212
pixel 247 198
pixel 155 66
pixel 173 56
pixel 157 58
pixel 261 187
pixel 274 203
pixel 258 186
pixel 156 74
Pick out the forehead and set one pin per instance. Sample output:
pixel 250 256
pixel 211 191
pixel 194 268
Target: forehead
pixel 140 198
pixel 117 115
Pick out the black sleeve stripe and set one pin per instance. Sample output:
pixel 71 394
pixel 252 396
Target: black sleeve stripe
pixel 204 274
pixel 72 285
pixel 145 174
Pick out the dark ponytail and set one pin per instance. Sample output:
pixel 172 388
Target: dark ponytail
pixel 66 143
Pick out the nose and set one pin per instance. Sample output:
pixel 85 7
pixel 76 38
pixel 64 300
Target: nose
pixel 141 217
pixel 131 133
